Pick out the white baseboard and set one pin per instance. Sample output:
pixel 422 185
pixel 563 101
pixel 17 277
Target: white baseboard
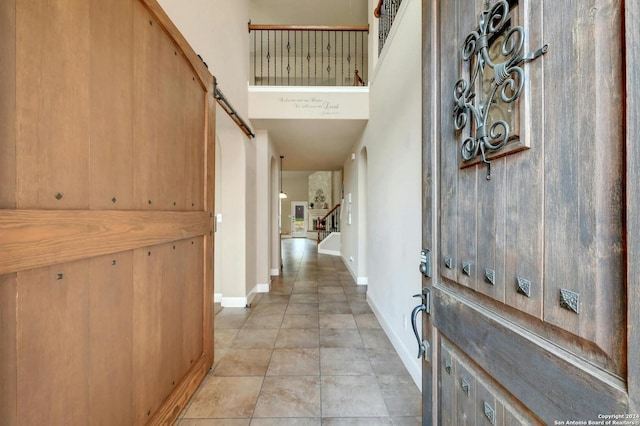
pixel 413 364
pixel 275 272
pixel 263 288
pixel 233 302
pixel 358 280
pixel 217 297
pixel 330 252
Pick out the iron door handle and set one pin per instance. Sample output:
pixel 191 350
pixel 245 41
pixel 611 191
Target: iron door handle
pixel 424 306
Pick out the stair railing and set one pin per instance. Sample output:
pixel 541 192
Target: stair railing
pixel 329 223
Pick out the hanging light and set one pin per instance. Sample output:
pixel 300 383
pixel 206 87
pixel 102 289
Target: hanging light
pixel 282 193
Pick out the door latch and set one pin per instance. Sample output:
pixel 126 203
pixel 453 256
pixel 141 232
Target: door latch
pixel 423 345
pixel 425 262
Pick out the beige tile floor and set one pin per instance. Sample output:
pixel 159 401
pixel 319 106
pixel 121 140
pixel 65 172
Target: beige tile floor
pixel 310 352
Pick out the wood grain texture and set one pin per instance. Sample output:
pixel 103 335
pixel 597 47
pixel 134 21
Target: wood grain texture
pixel 526 365
pixel 149 388
pixel 111 90
pixel 430 129
pixel 632 63
pixel 8 104
pixel 447 389
pixel 52 346
pixel 111 339
pixel 34 238
pixel 208 242
pixel 524 181
pixel 192 303
pixel 467 193
pixel 8 361
pixel 448 153
pixel 159 15
pixel 583 187
pixel 52 105
pixel 465 400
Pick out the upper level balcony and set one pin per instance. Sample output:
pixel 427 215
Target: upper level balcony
pixel 309 82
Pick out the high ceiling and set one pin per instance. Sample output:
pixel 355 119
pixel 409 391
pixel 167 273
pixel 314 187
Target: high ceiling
pixel 311 144
pixel 309 12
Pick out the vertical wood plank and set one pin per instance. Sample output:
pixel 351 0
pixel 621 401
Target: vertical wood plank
pixel 467 194
pixel 491 230
pixel 174 275
pixel 485 395
pixel 465 402
pixel 8 104
pixel 110 339
pixel 193 148
pixel 192 306
pixel 8 362
pixel 430 150
pixel 111 105
pixel 148 278
pixel 52 104
pixel 150 62
pixel 208 240
pixel 448 371
pixel 583 238
pixel 448 153
pixel 52 345
pixel 632 60
pixel 525 179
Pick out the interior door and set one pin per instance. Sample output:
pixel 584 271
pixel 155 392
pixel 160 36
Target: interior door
pixel 298 219
pixel 525 220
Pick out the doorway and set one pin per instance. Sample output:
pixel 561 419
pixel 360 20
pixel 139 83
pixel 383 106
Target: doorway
pixel 298 219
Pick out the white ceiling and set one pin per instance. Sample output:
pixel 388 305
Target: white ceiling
pixel 313 144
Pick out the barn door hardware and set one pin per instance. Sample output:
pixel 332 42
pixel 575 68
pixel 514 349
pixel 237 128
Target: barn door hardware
pixel 425 306
pixel 472 102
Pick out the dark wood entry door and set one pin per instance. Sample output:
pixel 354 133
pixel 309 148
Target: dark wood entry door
pixel 533 287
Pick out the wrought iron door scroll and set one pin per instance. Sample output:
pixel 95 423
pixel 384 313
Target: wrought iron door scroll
pixel 508 80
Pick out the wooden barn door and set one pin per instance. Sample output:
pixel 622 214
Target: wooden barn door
pixel 106 205
pixel 527 211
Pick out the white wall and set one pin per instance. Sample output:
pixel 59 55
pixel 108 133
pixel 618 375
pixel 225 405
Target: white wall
pixel 392 140
pixel 216 29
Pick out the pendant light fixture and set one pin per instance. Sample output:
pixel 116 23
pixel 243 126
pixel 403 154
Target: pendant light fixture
pixel 282 193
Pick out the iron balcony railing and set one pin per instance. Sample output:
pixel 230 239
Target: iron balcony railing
pixel 386 13
pixel 284 55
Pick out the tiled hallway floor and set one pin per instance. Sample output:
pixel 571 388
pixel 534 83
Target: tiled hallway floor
pixel 310 352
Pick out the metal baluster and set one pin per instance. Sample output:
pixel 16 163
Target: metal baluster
pixel 288 57
pixel 268 58
pixel 355 54
pixel 321 57
pixel 281 60
pixel 349 56
pixel 308 59
pixel 255 52
pixel 362 57
pixel 342 51
pixel 335 46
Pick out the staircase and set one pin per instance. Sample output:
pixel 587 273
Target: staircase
pixel 329 223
